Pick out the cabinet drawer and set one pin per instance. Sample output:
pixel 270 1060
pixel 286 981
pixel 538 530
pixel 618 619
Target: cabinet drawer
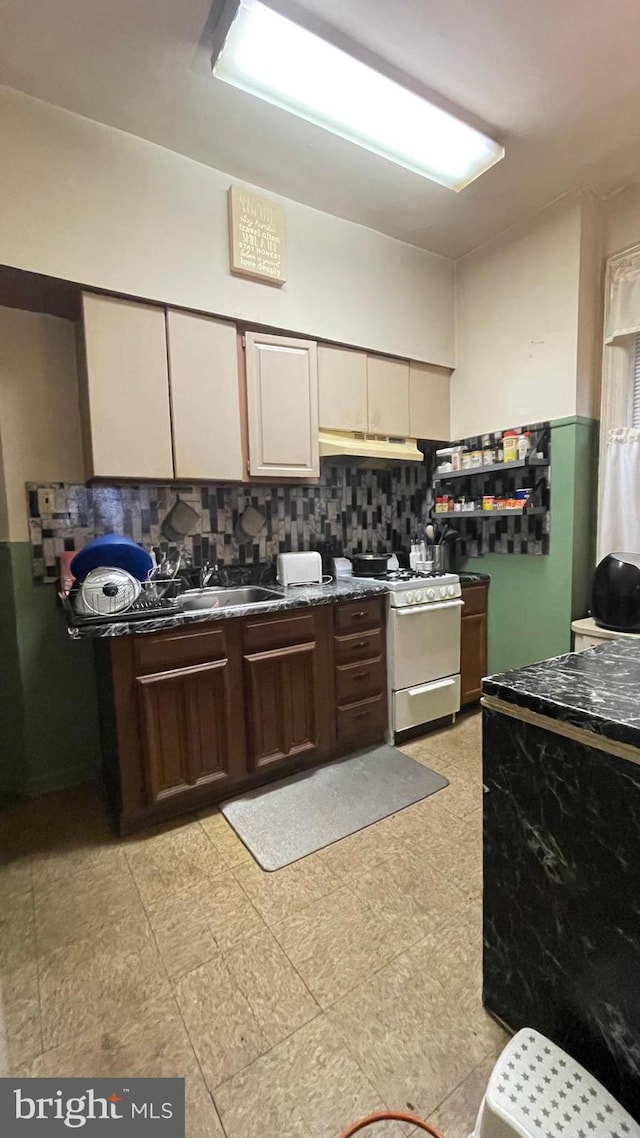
pixel 278 631
pixel 361 646
pixel 179 649
pixel 358 681
pixel 355 615
pixel 475 599
pixel 364 718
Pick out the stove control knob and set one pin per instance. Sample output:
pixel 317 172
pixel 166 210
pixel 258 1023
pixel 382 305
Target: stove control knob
pixel 418 596
pixel 451 590
pixel 410 598
pixel 442 591
pixel 431 594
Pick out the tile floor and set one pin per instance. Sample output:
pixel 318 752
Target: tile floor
pixel 292 1002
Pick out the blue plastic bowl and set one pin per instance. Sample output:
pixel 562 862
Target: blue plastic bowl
pixel 114 550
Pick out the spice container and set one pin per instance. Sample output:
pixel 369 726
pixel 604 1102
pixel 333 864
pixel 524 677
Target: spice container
pixel 476 458
pixel 466 460
pixel 524 444
pixel 510 446
pixel 488 456
pixel 488 502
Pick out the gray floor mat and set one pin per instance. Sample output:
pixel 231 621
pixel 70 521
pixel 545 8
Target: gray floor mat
pixel 289 819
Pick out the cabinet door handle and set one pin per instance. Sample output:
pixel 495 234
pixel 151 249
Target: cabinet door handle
pixel 357 615
pixel 362 644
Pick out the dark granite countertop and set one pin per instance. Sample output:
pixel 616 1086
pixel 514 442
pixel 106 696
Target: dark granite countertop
pixel 301 596
pixel 597 690
pixel 474 578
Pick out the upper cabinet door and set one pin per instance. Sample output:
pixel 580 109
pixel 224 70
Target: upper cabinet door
pixel 282 406
pixel 125 389
pixel 388 390
pixel 429 402
pixel 205 397
pixel 342 384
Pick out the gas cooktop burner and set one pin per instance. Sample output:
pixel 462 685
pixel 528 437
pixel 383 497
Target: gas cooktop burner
pixel 398 576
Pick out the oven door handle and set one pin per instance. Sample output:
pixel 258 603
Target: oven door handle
pixel 433 606
pixel 434 685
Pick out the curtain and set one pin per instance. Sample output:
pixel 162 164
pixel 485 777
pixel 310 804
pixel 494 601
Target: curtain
pixel 619 528
pixel 623 296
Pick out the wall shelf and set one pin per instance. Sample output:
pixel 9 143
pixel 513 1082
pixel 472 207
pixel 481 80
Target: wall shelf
pixel 488 515
pixel 494 468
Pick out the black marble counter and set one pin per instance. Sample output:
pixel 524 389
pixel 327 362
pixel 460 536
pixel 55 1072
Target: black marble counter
pixel 474 578
pixel 597 690
pixel 301 596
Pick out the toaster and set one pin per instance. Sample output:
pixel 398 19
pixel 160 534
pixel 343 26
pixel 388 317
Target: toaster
pixel 299 568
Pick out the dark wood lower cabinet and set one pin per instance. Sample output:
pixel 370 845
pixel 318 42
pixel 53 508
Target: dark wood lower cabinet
pixel 197 714
pixel 473 642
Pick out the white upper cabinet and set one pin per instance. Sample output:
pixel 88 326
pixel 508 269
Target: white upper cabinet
pixel 429 402
pixel 282 406
pixel 342 385
pixel 205 397
pixel 125 390
pixel 388 394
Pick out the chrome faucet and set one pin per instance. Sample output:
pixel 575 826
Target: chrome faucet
pixel 207 572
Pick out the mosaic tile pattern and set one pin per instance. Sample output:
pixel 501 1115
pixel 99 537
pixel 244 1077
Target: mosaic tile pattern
pixel 349 510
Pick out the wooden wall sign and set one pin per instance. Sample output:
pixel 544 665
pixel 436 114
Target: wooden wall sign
pixel 257 237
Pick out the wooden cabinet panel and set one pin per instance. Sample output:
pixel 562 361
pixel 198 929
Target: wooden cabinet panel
pixel 342 388
pixel 179 649
pixel 282 406
pixel 281 702
pixel 361 646
pixel 359 681
pixel 354 615
pixel 278 631
pixel 205 397
pixel 473 656
pixel 189 729
pixel 125 389
pixel 388 396
pixel 429 402
pixel 360 721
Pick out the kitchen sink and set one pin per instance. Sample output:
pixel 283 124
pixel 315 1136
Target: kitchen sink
pixel 219 598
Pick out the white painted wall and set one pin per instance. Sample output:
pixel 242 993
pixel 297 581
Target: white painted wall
pixel 40 436
pixel 517 325
pixel 621 220
pixel 91 204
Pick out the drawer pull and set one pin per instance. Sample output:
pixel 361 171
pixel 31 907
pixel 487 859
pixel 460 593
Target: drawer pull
pixel 360 676
pixel 362 714
pixel 357 615
pixel 362 644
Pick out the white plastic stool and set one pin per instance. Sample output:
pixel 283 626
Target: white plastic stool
pixel 536 1090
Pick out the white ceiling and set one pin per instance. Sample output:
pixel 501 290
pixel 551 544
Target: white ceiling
pixel 558 81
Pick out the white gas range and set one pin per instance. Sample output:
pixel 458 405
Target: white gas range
pixel 423 647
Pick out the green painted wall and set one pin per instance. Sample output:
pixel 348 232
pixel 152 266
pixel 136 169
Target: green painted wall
pixel 532 600
pixel 48 714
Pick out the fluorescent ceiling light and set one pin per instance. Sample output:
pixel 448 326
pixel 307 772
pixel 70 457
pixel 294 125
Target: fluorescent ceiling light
pixel 269 56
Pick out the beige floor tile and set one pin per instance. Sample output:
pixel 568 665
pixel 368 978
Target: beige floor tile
pixel 456 1116
pixel 413 1040
pixel 191 926
pixel 277 895
pixel 415 824
pixel 409 892
pixel 337 942
pixel 463 795
pixel 277 996
pixel 17 931
pixel 20 1013
pixel 88 900
pixel 69 831
pixel 455 849
pixel 224 838
pixel 99 979
pixel 15 875
pixel 359 852
pixel 307 1087
pixel 153 1043
pixel 169 859
pixel 222 1027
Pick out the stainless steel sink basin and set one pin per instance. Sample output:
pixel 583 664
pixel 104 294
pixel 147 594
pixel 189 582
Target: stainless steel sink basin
pixel 219 598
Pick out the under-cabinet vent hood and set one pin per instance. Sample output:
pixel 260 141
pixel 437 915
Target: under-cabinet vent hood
pixel 370 449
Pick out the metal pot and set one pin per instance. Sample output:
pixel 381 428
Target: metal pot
pixel 369 564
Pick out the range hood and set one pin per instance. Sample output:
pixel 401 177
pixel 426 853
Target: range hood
pixel 375 449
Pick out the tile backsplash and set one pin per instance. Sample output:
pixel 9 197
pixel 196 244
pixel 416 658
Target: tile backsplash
pixel 350 509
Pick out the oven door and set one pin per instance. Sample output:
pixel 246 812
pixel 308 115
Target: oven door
pixel 424 643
